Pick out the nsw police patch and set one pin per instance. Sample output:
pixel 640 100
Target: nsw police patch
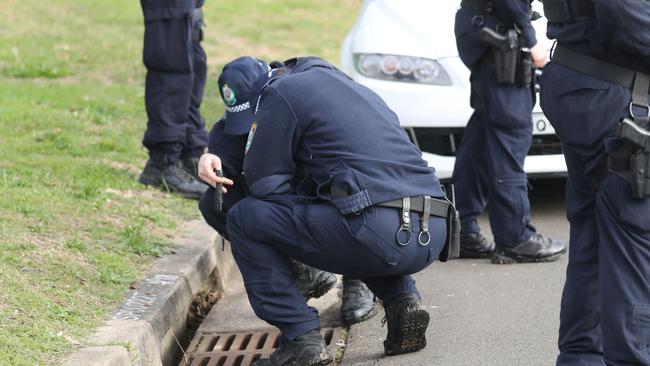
pixel 251 134
pixel 229 96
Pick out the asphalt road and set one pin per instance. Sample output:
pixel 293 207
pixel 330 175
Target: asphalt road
pixel 481 313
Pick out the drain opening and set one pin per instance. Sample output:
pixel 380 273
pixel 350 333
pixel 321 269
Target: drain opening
pixel 242 349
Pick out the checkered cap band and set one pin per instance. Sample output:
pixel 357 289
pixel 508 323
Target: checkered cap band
pixel 239 108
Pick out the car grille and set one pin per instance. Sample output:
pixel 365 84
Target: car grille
pixel 436 140
pixel 545 145
pixel 444 142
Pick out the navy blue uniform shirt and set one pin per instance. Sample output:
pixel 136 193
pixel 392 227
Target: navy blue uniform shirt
pixel 619 33
pixel 317 128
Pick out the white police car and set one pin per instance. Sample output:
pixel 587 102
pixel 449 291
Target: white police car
pixel 406 52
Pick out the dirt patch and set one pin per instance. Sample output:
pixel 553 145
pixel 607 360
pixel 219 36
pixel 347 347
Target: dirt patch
pixel 201 306
pixel 132 170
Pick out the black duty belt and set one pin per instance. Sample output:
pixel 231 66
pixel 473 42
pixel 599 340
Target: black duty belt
pixel 438 207
pixel 426 205
pixel 592 66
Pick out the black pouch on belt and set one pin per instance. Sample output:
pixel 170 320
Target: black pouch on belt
pixel 524 68
pixel 451 249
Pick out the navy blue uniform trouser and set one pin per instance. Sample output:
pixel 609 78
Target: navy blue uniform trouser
pixel 217 220
pixel 605 314
pixel 265 233
pixel 176 73
pixel 489 161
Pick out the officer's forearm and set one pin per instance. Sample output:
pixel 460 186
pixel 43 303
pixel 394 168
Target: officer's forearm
pixel 518 12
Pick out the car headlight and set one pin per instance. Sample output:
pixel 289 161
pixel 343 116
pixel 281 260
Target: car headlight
pixel 401 68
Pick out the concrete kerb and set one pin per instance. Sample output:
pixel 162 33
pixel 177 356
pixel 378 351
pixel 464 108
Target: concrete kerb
pixel 143 329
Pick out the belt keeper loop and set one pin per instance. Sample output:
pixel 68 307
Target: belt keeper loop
pixel 406 212
pixel 426 214
pixel 406 223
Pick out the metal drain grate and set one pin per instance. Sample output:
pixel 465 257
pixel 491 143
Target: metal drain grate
pixel 242 348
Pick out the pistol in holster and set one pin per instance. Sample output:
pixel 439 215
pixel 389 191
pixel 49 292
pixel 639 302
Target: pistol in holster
pixel 632 160
pixel 513 64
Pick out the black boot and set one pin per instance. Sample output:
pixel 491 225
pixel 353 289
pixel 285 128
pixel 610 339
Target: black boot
pixel 358 301
pixel 307 350
pixel 475 245
pixel 312 282
pixel 536 249
pixel 407 323
pixel 172 177
pixel 191 166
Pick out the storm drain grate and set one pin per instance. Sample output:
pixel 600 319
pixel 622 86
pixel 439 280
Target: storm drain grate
pixel 243 348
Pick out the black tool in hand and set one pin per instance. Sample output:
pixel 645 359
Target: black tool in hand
pixel 218 192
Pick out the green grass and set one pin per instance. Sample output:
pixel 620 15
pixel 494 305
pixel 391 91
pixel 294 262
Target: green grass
pixel 75 227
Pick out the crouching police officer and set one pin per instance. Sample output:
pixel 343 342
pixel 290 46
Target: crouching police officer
pixel 335 183
pixel 595 93
pixel 226 146
pixel 496 41
pixel 176 72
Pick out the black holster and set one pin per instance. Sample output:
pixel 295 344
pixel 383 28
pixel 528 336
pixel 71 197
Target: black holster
pixel 512 64
pixel 631 160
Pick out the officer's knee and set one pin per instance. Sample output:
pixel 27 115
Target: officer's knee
pixel 236 216
pixel 217 220
pixel 205 204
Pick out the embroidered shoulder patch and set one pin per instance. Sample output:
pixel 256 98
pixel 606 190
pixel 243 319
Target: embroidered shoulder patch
pixel 251 134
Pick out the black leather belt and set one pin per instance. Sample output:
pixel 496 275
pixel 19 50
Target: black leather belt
pixel 426 205
pixel 438 207
pixel 592 66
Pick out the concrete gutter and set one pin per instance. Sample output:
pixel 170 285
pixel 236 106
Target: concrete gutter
pixel 145 328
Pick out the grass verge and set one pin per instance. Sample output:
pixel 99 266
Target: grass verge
pixel 75 227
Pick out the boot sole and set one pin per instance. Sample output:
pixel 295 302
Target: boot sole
pixel 466 254
pixel 504 258
pixel 412 332
pixel 150 182
pixel 161 184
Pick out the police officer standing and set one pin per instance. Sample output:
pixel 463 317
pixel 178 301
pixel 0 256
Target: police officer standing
pixel 226 145
pixel 176 72
pixel 595 93
pixel 497 42
pixel 336 184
